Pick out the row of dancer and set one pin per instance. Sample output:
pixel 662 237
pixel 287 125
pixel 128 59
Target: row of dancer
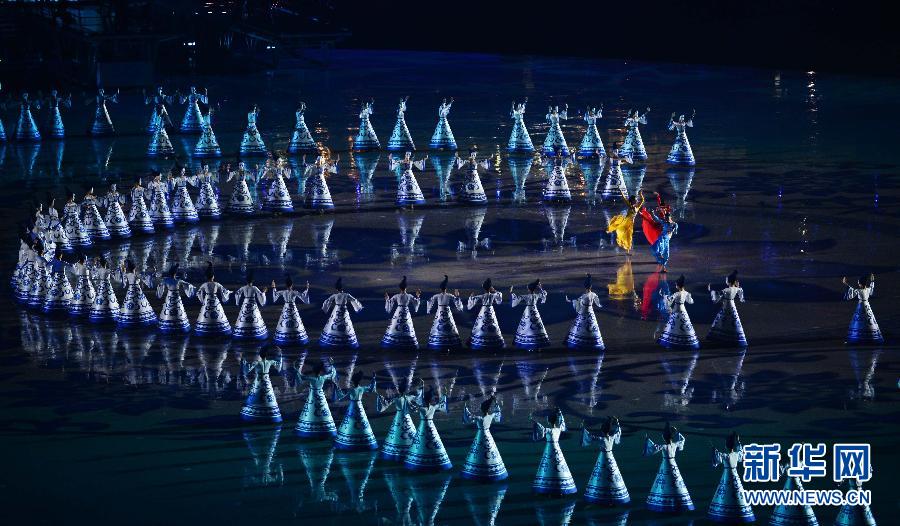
pixel 421 449
pixel 302 141
pixel 44 285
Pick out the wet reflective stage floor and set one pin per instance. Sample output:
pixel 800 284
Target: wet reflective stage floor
pixel 796 186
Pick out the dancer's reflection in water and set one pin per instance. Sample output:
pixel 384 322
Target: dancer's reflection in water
pixel 474 222
pixel 428 494
pixel 520 169
pixel 136 349
pixel 242 237
pixel 483 502
pixel 532 375
pixel 409 250
pixel 681 179
pixel 357 471
pixel 212 376
pixel 609 518
pixel 174 348
pixel 592 170
pixel 402 496
pixel 443 164
pixel 316 462
pixel 732 385
pixel 588 389
pixel 558 218
pixel 264 469
pixel 322 257
pixel 633 177
pixel 863 363
pixel 554 513
pixel 209 237
pixel 366 163
pixel 679 367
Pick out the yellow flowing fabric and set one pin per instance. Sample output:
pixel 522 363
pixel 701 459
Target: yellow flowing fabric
pixel 623 288
pixel 623 225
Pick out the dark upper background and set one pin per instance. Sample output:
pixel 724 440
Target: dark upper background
pixel 140 41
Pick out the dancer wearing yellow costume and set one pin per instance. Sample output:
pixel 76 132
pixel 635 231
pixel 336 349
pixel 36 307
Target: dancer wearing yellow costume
pixel 623 224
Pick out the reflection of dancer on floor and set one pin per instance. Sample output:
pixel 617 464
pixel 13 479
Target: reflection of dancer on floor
pixel 623 224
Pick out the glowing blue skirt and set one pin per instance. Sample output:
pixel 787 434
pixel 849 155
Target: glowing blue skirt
pixel 553 476
pixel 669 494
pixel 483 461
pixel 400 333
pixel 82 297
pixel 400 437
pixel 135 310
pixel 585 332
pixel 728 504
pixel 249 324
pixel 355 433
pixel 173 317
pixel 252 143
pixel 486 331
pixel 212 322
pixel 863 327
pixel 315 420
pixel 443 139
pixel 531 333
pixel 106 306
pixel 681 153
pixel 679 333
pixel 427 453
pixel 261 405
pixel 444 334
pixel 633 145
pixel 290 329
pixel 338 332
pixel 59 295
pixel 606 486
pixel 727 328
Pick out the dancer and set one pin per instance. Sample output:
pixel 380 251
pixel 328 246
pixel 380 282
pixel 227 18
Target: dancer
pixel 338 332
pixel 605 487
pixel 585 332
pixel 160 213
pixel 94 224
pixel 401 333
pixel 135 310
pixel 315 418
pixel 212 322
pixel 591 144
pixel 531 333
pixel 261 406
pixel 443 136
pixel 408 191
pixel 786 515
pixel 158 118
pixel 727 326
pixel 483 461
pixel 102 124
pixel 55 229
pixel 84 294
pixel 72 224
pixel 241 202
pixel 354 433
pixel 472 190
pixel 633 145
pixel 249 324
pixel 55 127
pixel 252 143
pixel 208 199
pixel 486 331
pixel 681 153
pixel 427 453
pixel 553 476
pixel 854 514
pixel 729 505
pixel 39 279
pixel 26 129
pixel 444 335
pixel 401 140
pixel 290 329
pixel 366 140
pixel 555 142
pixel 193 118
pixel 402 432
pixel 105 308
pixel 58 299
pixel 668 494
pixel 115 219
pixel 679 332
pixel 173 316
pixel 183 209
pixel 318 196
pixel 207 145
pixel 26 274
pixel 863 327
pixel 659 231
pixel 556 190
pixel 139 219
pixel 613 180
pixel 519 140
pixel 623 224
pixel 302 140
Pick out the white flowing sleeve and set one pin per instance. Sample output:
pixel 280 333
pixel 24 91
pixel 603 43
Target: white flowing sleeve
pixel 389 304
pixel 303 296
pixel 740 295
pixel 688 299
pixel 160 290
pixel 430 303
pixel 355 303
pixel 328 303
pixel 497 298
pixel 515 299
pixel 457 303
pixel 671 125
pixel 187 287
pixel 414 304
pixel 225 292
pixel 716 296
pixel 420 164
pixel 595 299
pixel 542 296
pixel 260 297
pixel 473 302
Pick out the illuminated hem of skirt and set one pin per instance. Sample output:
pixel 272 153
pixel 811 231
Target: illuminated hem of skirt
pixel 550 151
pixel 395 454
pixel 143 229
pixel 241 211
pixel 334 343
pixel 445 344
pixel 676 508
pixel 250 333
pixel 484 477
pixel 206 154
pixel 472 199
pixel 401 147
pixel 734 516
pixel 186 218
pixel 681 162
pixel 291 339
pixel 316 435
pixel 532 343
pixel 554 198
pixel 100 236
pixel 84 242
pixel 520 149
pixel 606 500
pixel 78 310
pixel 585 345
pixel 428 468
pixel 135 320
pixel 209 214
pixel 863 340
pixel 405 201
pixel 591 154
pixel 212 331
pixel 543 490
pixel 66 248
pixel 164 223
pixel 366 446
pixel 120 233
pixel 485 345
pixel 174 326
pixel 678 346
pixel 278 208
pixel 319 205
pixel 104 318
pixel 273 419
pixel 392 343
pixel 56 308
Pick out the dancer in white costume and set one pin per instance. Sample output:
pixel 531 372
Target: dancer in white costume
pixel 338 332
pixel 401 333
pixel 531 333
pixel 444 334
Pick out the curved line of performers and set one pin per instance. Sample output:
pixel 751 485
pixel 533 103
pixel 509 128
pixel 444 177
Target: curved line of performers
pixel 43 284
pixel 420 448
pixel 195 121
